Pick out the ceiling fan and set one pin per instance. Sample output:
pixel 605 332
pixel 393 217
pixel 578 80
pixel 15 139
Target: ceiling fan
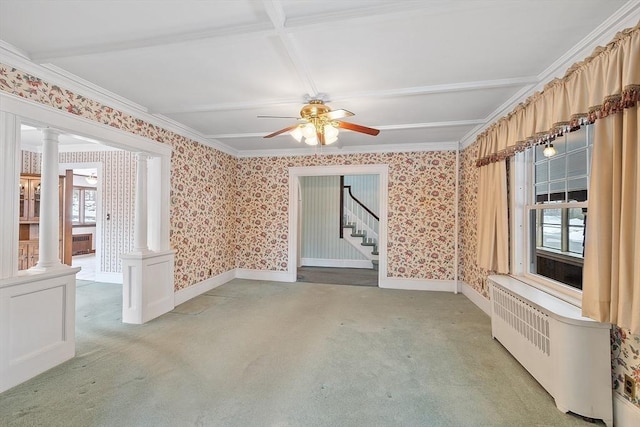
pixel 319 124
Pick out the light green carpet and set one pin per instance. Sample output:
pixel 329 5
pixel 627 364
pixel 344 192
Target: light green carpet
pixel 253 353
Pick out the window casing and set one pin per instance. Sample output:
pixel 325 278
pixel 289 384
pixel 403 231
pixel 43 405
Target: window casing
pixel 83 209
pixel 552 206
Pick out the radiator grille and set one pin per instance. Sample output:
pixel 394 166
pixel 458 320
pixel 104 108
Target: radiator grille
pixel 525 319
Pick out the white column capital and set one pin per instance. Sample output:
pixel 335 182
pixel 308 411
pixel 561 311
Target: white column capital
pixel 49 134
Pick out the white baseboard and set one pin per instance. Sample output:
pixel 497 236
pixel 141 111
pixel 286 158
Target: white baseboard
pixel 275 276
pixel 476 297
pixel 193 291
pixel 101 276
pixel 417 284
pixel 625 413
pixel 339 263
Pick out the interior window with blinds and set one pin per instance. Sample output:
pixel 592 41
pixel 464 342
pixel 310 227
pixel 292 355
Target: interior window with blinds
pixel 558 213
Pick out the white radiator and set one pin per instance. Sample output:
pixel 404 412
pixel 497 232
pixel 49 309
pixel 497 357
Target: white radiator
pixel 569 355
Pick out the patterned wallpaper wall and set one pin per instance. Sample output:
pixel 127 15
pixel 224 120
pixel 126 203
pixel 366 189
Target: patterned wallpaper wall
pixel 203 210
pixel 197 173
pixel 117 185
pixel 625 348
pixel 421 211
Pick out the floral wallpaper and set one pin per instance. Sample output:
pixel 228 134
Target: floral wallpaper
pixel 201 177
pixel 421 210
pixel 203 183
pixel 468 270
pixel 625 360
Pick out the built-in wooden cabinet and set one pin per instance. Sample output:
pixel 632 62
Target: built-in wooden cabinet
pixel 29 228
pixel 29 198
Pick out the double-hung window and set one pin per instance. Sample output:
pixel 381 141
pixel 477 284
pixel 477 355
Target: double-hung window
pixel 83 209
pixel 556 209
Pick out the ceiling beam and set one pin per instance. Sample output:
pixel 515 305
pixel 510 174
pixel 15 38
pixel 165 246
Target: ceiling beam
pixel 278 19
pixel 453 123
pixel 221 35
pixel 389 93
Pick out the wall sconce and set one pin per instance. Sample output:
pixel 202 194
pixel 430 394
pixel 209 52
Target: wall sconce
pixel 549 150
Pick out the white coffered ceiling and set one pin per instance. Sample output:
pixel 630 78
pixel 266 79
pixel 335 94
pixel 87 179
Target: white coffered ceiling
pixel 429 74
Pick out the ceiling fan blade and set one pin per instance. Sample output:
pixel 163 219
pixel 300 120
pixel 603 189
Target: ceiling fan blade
pixel 287 129
pixel 336 114
pixel 277 117
pixel 358 128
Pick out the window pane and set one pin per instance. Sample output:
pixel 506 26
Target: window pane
pixel 542 172
pixel 75 207
pixel 557 167
pixel 577 163
pixel 576 240
pixel 557 191
pixel 551 216
pixel 552 236
pixel 89 206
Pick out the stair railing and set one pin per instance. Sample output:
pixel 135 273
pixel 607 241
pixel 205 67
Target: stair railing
pixel 354 211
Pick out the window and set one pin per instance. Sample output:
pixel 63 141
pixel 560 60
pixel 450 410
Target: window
pixel 83 210
pixel 557 208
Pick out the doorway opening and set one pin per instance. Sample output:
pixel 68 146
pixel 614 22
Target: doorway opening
pixel 319 270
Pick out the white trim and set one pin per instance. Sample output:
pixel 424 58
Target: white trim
pixel 476 297
pixel 185 294
pixel 418 284
pixel 339 263
pixel 625 413
pixel 269 275
pixel 108 277
pixel 382 170
pixel 9 55
pixel 456 229
pixel 65 122
pixel 390 148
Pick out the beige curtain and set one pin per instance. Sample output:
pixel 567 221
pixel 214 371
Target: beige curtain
pixel 611 284
pixel 605 89
pixel 493 224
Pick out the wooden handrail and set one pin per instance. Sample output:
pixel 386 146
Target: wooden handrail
pixel 361 204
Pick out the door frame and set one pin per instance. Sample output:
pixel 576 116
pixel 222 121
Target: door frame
pixel 382 170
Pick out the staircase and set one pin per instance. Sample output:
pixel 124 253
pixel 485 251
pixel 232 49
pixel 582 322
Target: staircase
pixel 367 246
pixel 358 225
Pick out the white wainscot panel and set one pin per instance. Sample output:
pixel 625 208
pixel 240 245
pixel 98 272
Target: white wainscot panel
pixel 37 324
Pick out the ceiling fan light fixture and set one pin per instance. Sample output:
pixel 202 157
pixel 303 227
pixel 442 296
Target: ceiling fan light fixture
pixel 297 133
pixel 330 131
pixel 311 141
pixel 309 131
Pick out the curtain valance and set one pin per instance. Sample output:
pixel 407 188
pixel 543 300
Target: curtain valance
pixel 605 83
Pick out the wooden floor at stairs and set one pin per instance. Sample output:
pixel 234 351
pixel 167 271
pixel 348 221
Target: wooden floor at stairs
pixel 338 276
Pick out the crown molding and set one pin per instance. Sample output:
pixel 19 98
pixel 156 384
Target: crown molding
pixel 625 17
pixel 13 57
pixel 366 149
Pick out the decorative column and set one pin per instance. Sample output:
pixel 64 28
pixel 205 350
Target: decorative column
pixel 140 208
pixel 49 240
pixel 147 276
